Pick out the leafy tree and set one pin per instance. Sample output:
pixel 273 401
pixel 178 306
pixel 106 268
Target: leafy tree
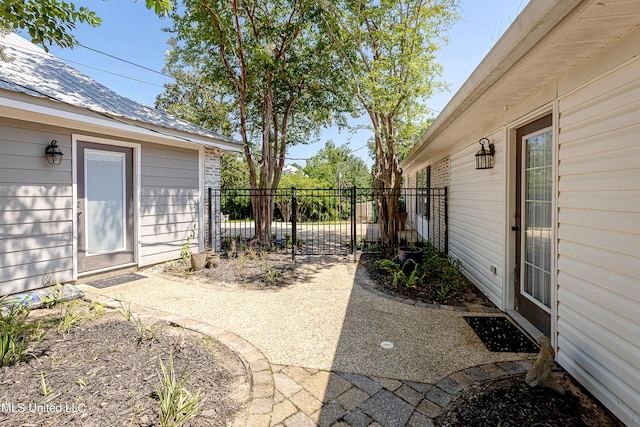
pixel 305 204
pixel 336 167
pixel 51 22
pixel 390 46
pixel 270 60
pixel 191 98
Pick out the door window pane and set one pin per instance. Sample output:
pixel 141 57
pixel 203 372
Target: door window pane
pixel 538 203
pixel 105 201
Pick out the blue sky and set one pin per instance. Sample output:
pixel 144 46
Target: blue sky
pixel 130 31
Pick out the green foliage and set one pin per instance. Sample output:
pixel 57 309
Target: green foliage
pixel 390 48
pixel 185 252
pixel 43 383
pixel 391 266
pixel 125 309
pixel 272 63
pixel 441 272
pixel 446 274
pixel 336 167
pixel 145 331
pixel 16 334
pixel 98 308
pixel 177 405
pixel 71 317
pixel 54 297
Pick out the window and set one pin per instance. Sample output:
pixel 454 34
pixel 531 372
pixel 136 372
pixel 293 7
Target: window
pixel 423 183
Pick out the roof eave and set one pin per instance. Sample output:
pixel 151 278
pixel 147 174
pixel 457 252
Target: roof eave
pixel 83 120
pixel 532 25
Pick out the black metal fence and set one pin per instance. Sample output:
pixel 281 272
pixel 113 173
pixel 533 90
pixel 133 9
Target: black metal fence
pixel 326 221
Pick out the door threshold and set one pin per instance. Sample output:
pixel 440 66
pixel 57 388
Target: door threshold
pixel 104 273
pixel 527 326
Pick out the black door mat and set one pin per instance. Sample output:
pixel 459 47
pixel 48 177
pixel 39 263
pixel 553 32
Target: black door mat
pixel 117 280
pixel 500 335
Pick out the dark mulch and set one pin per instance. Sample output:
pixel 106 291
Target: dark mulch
pixel 102 374
pixel 426 293
pixel 499 334
pixel 247 270
pixel 511 402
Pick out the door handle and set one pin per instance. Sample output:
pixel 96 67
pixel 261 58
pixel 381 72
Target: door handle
pixel 79 211
pixel 515 228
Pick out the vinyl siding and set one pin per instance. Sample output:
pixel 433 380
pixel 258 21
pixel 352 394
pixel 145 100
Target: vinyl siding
pixel 36 229
pixel 599 239
pixel 169 201
pixel 476 218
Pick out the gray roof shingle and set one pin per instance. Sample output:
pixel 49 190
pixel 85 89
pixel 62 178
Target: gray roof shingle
pixel 36 73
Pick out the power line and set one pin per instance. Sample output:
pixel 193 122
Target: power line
pixel 125 61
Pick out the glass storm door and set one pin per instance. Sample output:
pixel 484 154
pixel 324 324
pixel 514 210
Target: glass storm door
pixel 534 224
pixel 105 206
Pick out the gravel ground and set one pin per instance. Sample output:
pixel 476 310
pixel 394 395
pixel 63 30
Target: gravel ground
pixel 324 320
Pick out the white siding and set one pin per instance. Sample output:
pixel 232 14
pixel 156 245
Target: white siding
pixel 599 239
pixel 476 218
pixel 169 201
pixel 35 209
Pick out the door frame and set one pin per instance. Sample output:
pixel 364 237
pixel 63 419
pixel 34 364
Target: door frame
pixel 509 254
pixel 75 138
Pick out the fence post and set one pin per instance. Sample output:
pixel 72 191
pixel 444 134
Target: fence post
pixel 446 221
pixel 354 238
pixel 294 220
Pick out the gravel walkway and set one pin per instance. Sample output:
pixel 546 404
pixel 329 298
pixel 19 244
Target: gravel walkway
pixel 329 320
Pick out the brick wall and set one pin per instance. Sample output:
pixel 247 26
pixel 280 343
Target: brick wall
pixel 440 178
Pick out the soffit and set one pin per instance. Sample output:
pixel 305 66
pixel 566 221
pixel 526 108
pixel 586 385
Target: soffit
pixel 590 28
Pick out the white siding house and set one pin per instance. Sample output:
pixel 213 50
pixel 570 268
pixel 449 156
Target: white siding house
pixel 551 233
pixel 130 186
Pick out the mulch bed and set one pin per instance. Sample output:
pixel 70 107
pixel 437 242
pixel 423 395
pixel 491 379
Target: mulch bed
pixel 511 402
pixel 248 270
pixel 499 334
pixel 102 374
pixel 427 294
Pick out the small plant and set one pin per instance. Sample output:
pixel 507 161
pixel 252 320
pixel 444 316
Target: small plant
pixel 98 308
pixel 145 330
pixel 185 252
pixel 242 261
pixel 45 389
pixel 392 267
pixel 70 318
pixel 125 309
pixel 16 335
pixel 81 383
pixel 450 282
pixel 177 405
pixel 170 265
pixel 53 298
pixel 272 274
pixel 414 278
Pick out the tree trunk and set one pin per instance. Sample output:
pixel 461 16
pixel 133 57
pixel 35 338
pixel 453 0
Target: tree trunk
pixel 262 204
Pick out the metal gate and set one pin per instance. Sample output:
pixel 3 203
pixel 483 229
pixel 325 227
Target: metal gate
pixel 325 221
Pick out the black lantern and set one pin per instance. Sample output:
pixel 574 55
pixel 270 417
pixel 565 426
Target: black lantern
pixel 484 157
pixel 54 154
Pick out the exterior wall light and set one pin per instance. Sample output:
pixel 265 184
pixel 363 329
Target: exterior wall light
pixel 53 153
pixel 484 157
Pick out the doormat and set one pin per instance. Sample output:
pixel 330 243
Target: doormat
pixel 117 280
pixel 500 335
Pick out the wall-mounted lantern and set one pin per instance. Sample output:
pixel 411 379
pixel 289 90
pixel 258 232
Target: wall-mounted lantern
pixel 484 157
pixel 53 153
